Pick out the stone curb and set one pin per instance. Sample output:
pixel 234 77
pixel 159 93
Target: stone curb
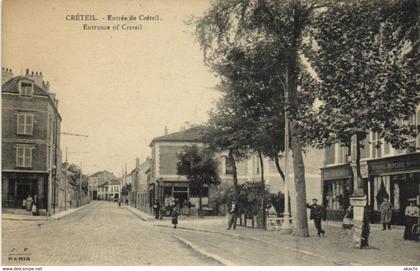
pixel 60 215
pixel 197 249
pixel 56 216
pixel 200 230
pixel 139 214
pixel 305 252
pixel 29 218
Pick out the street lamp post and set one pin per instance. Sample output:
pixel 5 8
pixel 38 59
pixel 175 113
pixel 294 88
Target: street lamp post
pixel 80 186
pixel 65 172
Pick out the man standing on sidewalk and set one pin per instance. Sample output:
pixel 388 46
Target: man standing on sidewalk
pixel 156 208
pixel 317 213
pixel 233 211
pixel 386 213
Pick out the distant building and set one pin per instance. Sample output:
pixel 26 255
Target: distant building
pixel 114 190
pixel 103 191
pixel 31 155
pixel 164 182
pixel 97 179
pixel 140 176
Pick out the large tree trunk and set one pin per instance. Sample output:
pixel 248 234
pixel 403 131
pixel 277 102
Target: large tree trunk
pixel 200 199
pixel 234 173
pixel 262 167
pixel 360 187
pixel 263 188
pixel 301 219
pixel 276 160
pixel 292 72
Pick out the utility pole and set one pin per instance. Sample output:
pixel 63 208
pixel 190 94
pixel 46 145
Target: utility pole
pixel 65 172
pixel 286 228
pixel 65 183
pixel 80 185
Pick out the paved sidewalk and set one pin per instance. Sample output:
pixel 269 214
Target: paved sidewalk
pixel 6 216
pixel 23 217
pixel 337 247
pixel 67 212
pixel 140 214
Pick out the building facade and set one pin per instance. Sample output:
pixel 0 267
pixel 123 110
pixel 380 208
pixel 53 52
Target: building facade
pixel 31 155
pixel 164 184
pixel 97 179
pixel 114 190
pixel 387 172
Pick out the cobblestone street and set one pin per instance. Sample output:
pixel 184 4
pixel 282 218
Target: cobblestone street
pixel 100 234
pixel 104 234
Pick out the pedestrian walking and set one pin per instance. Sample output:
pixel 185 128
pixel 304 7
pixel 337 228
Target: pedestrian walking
pixel 156 208
pixel 232 215
pixel 35 206
pixel 317 213
pixel 174 216
pixel 412 214
pixel 386 213
pixel 29 202
pixel 24 204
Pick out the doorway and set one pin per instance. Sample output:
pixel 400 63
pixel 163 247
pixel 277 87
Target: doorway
pixel 21 189
pixel 406 186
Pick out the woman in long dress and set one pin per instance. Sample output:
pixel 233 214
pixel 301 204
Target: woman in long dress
pixel 174 216
pixel 412 214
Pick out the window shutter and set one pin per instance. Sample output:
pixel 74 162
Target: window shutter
pixel 29 124
pixel 19 156
pixel 28 157
pixel 418 129
pixel 20 124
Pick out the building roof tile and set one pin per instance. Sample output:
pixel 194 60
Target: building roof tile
pixel 193 134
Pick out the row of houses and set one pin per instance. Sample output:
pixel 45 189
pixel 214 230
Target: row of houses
pixel 31 154
pixel 329 173
pixel 103 185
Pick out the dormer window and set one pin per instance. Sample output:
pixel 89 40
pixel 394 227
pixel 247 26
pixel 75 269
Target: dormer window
pixel 26 89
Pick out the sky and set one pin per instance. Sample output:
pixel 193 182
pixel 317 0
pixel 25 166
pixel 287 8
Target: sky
pixel 118 87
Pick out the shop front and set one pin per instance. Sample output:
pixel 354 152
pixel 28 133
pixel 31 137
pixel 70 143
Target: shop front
pixel 178 192
pixel 17 186
pixel 336 190
pixel 398 179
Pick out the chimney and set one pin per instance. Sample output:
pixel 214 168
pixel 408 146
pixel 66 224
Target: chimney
pixel 46 86
pixel 6 75
pixel 137 162
pixel 37 77
pixel 166 130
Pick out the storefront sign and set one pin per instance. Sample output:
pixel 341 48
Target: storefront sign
pixel 405 162
pixel 338 172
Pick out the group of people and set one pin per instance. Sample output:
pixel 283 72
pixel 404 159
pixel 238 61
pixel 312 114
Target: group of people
pixel 412 215
pixel 318 213
pixel 31 204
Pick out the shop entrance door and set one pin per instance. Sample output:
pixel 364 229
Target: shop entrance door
pixel 181 197
pixel 23 189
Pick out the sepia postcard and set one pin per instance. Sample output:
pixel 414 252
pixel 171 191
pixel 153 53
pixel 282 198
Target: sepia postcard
pixel 210 133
